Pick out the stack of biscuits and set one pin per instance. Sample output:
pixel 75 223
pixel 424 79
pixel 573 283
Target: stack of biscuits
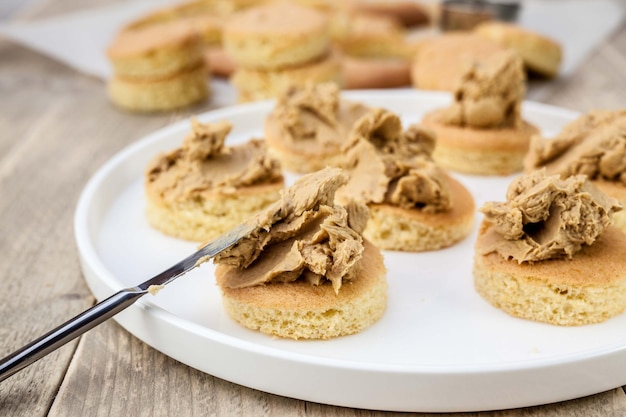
pixel 158 67
pixel 279 45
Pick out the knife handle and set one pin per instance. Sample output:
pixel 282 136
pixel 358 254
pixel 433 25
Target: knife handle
pixel 68 331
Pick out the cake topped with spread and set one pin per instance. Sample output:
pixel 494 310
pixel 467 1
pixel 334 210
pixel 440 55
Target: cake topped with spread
pixel 309 125
pixel 305 271
pixel 203 165
pixel 593 145
pixel 393 166
pixel 414 205
pixel 488 96
pixel 546 217
pixel 550 253
pixel 203 188
pixel 482 131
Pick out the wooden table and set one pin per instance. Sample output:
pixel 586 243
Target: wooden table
pixel 56 129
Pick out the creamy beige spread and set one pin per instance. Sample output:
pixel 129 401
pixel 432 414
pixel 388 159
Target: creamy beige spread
pixel 389 165
pixel 204 165
pixel 593 144
pixel 489 94
pixel 314 115
pixel 546 217
pixel 154 289
pixel 302 236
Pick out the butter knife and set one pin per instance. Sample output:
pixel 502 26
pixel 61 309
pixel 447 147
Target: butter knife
pixel 109 307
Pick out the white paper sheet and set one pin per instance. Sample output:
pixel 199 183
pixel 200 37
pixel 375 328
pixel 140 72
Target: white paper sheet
pixel 80 39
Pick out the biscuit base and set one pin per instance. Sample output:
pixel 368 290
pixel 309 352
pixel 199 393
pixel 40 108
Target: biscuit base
pixel 394 228
pixel 589 288
pixel 207 218
pixel 299 310
pixel 617 191
pixel 153 95
pixel 480 151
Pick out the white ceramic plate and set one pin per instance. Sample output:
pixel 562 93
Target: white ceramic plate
pixel 439 346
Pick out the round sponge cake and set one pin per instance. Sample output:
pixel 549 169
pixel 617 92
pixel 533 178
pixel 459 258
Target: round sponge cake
pixel 158 67
pixel 160 94
pixel 299 310
pixel 276 35
pixel 589 288
pixel 156 51
pixel 395 228
pixel 540 54
pixel 498 151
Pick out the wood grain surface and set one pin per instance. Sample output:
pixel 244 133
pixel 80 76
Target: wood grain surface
pixel 56 129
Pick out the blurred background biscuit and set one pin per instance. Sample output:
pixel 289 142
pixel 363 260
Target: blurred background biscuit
pixel 540 54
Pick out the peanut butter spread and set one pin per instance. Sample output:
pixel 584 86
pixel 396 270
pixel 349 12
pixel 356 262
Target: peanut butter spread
pixel 203 165
pixel 392 166
pixel 304 236
pixel 593 144
pixel 489 95
pixel 546 217
pixel 314 117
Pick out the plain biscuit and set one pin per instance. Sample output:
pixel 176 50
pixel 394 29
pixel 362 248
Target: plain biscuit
pixel 539 53
pixel 363 73
pixel 370 36
pixel 156 51
pixel 160 94
pixel 408 13
pixel 276 36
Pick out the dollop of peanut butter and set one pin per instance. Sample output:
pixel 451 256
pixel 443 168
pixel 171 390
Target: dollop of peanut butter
pixel 389 165
pixel 302 236
pixel 203 165
pixel 594 145
pixel 315 113
pixel 546 217
pixel 489 95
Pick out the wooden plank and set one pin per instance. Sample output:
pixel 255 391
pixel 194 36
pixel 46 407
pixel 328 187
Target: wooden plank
pixel 56 128
pixel 129 378
pixel 36 290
